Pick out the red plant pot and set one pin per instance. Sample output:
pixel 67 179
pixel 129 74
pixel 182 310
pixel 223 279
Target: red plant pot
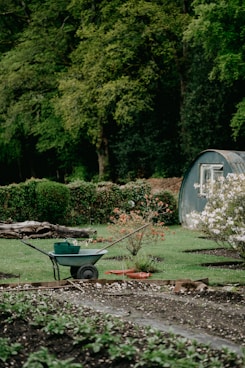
pixel 138 275
pixel 120 272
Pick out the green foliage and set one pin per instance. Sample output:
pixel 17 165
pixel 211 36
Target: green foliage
pixel 14 17
pixel 30 70
pixel 79 173
pixel 108 196
pixel 52 201
pixel 114 85
pixel 218 31
pixel 238 121
pixel 165 205
pixel 103 341
pixel 143 262
pixel 94 203
pixel 80 202
pixel 125 351
pixel 29 209
pixel 7 349
pixel 119 68
pixel 219 28
pixel 42 358
pixel 82 197
pixel 153 349
pixel 57 325
pixel 18 201
pixel 133 194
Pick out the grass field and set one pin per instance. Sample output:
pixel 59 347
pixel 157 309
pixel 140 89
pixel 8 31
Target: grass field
pixel 29 265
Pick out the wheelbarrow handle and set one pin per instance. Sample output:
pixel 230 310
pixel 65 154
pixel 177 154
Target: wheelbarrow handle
pixel 123 237
pixel 36 248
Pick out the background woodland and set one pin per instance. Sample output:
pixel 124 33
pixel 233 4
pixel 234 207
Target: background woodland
pixel 117 90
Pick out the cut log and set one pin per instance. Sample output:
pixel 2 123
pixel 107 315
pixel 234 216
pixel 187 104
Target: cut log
pixel 44 230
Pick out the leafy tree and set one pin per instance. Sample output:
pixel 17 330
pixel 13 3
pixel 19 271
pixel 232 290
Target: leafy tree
pixel 126 57
pixel 219 29
pixel 28 81
pixel 14 17
pixel 206 109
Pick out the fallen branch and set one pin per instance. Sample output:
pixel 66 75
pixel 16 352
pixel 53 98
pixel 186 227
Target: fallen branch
pixel 42 230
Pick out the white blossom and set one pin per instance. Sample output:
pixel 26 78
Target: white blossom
pixel 223 216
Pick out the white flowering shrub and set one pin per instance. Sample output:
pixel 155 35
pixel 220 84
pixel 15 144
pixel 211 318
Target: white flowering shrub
pixel 223 218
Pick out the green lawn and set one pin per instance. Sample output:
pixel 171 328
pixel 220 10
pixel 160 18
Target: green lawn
pixel 30 265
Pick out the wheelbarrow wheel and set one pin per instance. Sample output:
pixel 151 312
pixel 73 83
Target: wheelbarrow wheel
pixel 87 272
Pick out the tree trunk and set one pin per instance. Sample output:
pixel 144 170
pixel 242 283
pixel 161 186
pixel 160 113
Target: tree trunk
pixel 42 230
pixel 103 156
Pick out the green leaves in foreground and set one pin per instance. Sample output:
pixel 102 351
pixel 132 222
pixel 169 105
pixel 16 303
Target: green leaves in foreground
pixel 7 349
pixel 42 358
pixel 95 336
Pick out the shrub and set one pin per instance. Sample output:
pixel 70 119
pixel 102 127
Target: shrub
pixel 108 196
pixel 18 201
pixel 82 202
pixel 223 218
pixel 79 173
pixel 165 205
pixel 82 197
pixel 124 223
pixel 52 201
pixel 133 194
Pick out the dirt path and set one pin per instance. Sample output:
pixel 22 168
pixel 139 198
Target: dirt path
pixel 215 316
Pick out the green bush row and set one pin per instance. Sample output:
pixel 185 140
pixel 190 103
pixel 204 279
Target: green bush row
pixel 79 202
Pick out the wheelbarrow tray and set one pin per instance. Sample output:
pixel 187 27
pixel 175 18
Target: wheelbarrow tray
pixel 84 257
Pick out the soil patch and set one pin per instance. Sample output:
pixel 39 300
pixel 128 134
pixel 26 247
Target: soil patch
pixel 216 311
pixel 224 252
pixel 236 265
pixel 7 276
pixel 214 317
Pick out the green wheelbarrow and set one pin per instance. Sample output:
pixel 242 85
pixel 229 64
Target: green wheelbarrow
pixel 82 264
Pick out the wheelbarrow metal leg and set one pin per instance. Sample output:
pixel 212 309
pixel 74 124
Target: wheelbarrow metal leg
pixel 56 269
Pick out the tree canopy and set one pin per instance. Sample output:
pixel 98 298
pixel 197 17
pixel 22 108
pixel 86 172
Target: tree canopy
pixel 218 27
pixel 121 89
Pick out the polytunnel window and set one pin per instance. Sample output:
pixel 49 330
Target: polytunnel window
pixel 209 173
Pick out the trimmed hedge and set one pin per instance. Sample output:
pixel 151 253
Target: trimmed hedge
pixel 52 201
pixel 18 201
pixel 82 198
pixel 80 202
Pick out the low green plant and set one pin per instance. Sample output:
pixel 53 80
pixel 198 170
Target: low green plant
pixel 125 351
pixel 84 330
pixel 7 348
pixel 42 358
pixel 105 338
pixel 143 263
pixel 14 309
pixel 58 325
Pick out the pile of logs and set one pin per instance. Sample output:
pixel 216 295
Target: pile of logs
pixel 42 230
